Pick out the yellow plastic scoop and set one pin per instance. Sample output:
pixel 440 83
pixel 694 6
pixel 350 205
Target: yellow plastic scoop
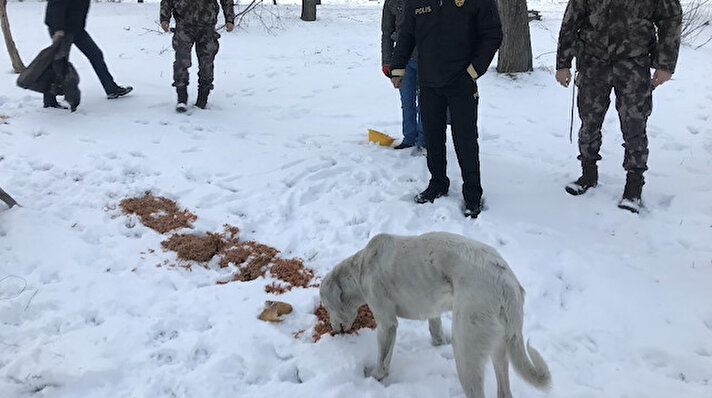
pixel 380 138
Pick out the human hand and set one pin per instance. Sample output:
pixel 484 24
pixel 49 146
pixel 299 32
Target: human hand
pixel 164 26
pixel 563 76
pixel 660 76
pixel 57 35
pixel 396 80
pixel 386 70
pixel 229 26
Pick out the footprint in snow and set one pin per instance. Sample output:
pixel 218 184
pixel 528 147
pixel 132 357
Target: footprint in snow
pixel 193 149
pixel 164 336
pixel 665 201
pixel 199 356
pixel 41 166
pixel 674 146
pixel 164 357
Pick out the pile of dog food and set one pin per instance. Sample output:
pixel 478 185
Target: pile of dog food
pixel 247 260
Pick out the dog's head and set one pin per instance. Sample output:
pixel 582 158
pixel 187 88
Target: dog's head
pixel 341 296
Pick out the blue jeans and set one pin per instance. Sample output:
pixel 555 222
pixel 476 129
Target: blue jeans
pixel 412 125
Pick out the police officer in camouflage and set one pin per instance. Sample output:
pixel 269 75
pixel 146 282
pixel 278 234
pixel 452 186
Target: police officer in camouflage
pixel 195 24
pixel 616 43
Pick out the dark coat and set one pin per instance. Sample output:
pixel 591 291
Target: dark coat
pixel 453 37
pixel 391 21
pixel 67 15
pixel 51 72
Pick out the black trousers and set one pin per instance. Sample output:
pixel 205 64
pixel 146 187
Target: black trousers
pixel 91 50
pixel 461 97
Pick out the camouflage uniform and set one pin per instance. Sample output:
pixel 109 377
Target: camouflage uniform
pixel 615 43
pixel 195 24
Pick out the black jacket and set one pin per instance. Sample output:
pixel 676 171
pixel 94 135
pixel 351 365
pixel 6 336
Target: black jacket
pixel 67 15
pixel 391 21
pixel 452 36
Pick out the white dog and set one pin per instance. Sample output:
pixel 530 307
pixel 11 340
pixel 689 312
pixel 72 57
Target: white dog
pixel 420 277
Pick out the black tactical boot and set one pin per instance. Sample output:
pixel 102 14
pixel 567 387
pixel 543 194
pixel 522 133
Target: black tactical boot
pixel 430 194
pixel 473 208
pixel 631 194
pixel 202 100
pixel 588 179
pixel 182 104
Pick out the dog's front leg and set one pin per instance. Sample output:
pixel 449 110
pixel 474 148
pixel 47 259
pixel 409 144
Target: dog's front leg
pixel 386 339
pixel 436 331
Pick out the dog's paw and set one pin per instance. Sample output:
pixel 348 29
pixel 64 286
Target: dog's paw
pixel 377 373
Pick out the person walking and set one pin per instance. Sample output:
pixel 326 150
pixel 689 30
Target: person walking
pixel 66 20
pixel 391 21
pixel 616 43
pixel 456 41
pixel 195 25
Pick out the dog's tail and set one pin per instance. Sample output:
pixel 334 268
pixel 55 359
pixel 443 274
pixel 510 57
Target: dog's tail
pixel 531 367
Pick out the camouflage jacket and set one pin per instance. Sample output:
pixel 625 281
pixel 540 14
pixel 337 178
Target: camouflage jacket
pixel 197 12
pixel 391 22
pixel 621 29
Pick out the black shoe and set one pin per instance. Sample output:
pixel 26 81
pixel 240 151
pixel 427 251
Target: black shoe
pixel 631 200
pixel 430 194
pixel 588 179
pixel 202 100
pixel 55 105
pixel 120 92
pixel 473 209
pixel 403 145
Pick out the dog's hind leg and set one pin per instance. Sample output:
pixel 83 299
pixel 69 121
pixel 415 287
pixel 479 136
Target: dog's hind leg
pixel 474 335
pixel 436 331
pixel 501 370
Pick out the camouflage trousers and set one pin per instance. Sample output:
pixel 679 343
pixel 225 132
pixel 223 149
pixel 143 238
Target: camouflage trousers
pixel 630 80
pixel 206 43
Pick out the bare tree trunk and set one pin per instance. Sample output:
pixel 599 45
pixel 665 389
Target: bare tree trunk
pixel 7 198
pixel 515 54
pixel 309 10
pixel 17 64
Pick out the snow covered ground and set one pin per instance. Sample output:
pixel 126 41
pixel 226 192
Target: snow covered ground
pixel 618 304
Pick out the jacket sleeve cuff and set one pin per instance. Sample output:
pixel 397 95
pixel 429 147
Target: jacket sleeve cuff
pixel 472 72
pixel 660 66
pixel 397 72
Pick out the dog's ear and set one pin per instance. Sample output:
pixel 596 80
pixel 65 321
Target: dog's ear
pixel 331 289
